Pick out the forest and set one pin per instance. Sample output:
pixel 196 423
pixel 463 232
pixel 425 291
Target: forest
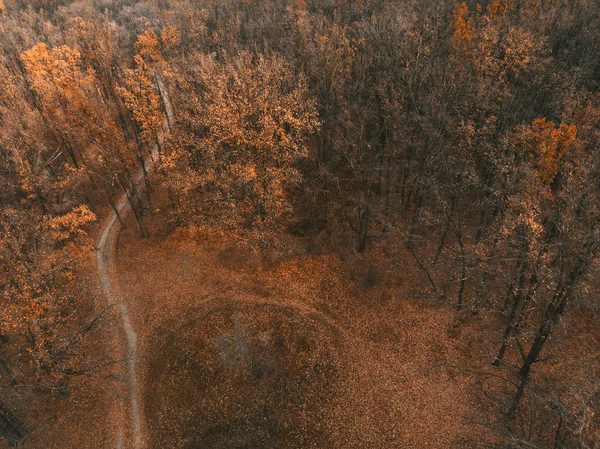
pixel 300 224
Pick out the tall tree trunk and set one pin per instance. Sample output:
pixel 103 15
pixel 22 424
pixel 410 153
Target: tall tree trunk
pixel 446 229
pixel 114 207
pixel 11 429
pixel 411 249
pixel 510 325
pixel 485 273
pixel 388 181
pixel 415 220
pixel 552 315
pixel 138 216
pixel 136 206
pixel 363 228
pixel 463 258
pixel 148 187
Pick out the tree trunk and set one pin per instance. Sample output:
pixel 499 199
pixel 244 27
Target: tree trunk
pixel 388 180
pixel 446 229
pixel 484 276
pixel 463 277
pixel 510 325
pixel 415 219
pixel 552 315
pixel 114 207
pixel 138 216
pixel 422 267
pixel 147 185
pixel 363 228
pixel 11 429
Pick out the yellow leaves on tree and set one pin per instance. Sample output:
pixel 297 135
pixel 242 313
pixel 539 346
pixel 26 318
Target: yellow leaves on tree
pixel 499 8
pixel 56 75
pixel 69 98
pixel 148 46
pixel 171 38
pixel 332 58
pixel 97 41
pixel 253 116
pixel 300 4
pixel 545 149
pixel 68 229
pixel 38 259
pixel 143 100
pixel 549 146
pixel 2 7
pixel 495 50
pixel 463 27
pixel 195 26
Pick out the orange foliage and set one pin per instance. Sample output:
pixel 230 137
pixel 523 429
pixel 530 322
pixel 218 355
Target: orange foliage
pixel 171 37
pixel 148 46
pixel 463 26
pixel 253 119
pixel 196 21
pixel 68 227
pixel 97 42
pixel 499 8
pixel 56 75
pixel 300 4
pixel 550 145
pixel 38 262
pixel 142 99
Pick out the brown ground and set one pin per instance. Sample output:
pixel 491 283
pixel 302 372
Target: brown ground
pixel 239 348
pixel 302 351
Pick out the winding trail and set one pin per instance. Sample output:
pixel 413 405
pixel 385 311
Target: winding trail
pixel 105 256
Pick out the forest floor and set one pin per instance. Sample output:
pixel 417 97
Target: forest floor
pixel 240 348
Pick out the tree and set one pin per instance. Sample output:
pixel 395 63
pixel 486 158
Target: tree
pixel 62 87
pixel 143 100
pixel 249 119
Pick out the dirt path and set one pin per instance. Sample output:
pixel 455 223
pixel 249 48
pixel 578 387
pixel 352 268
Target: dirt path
pixel 106 251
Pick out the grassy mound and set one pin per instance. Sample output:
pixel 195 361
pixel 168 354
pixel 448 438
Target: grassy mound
pixel 239 374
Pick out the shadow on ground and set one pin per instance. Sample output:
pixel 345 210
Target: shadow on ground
pixel 239 374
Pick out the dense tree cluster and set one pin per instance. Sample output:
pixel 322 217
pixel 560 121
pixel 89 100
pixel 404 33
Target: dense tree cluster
pixel 468 131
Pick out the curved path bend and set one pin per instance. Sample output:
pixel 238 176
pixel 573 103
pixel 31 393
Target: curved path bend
pixel 105 257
